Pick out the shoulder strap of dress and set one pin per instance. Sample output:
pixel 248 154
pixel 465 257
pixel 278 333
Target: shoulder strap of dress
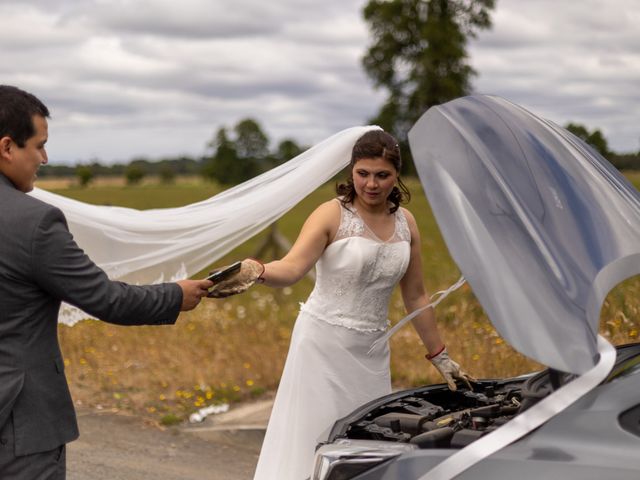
pixel 347 218
pixel 402 226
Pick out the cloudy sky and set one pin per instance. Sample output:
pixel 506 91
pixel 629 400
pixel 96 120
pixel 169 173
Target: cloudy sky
pixel 154 78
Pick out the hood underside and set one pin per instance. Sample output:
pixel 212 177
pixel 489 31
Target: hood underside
pixel 541 226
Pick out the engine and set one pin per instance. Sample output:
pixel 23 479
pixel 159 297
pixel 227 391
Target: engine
pixel 434 417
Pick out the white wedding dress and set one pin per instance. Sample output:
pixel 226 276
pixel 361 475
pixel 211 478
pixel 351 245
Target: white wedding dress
pixel 328 372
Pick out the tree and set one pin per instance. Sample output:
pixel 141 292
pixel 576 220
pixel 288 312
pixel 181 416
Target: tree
pixel 223 165
pixel 239 159
pixel 418 53
pixel 288 149
pixel 625 161
pixel 251 141
pixel 595 138
pixel 84 174
pixel 167 173
pixel 134 173
pixel 285 151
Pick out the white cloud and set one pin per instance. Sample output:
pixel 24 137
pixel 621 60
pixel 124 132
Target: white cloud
pixel 190 19
pixel 126 78
pixel 567 61
pixel 27 28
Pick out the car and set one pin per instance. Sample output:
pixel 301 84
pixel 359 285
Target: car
pixel 405 434
pixel 542 227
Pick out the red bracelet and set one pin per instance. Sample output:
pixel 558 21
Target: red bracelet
pixel 431 356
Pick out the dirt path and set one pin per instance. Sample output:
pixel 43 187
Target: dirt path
pixel 114 446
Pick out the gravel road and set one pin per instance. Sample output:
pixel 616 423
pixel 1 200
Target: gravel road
pixel 113 446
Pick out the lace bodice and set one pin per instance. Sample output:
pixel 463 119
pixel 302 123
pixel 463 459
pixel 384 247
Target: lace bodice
pixel 357 273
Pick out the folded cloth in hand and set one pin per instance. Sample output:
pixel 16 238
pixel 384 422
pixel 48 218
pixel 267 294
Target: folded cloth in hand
pixel 250 271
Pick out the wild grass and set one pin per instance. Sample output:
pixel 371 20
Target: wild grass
pixel 234 349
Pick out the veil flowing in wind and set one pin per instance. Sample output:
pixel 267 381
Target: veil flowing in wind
pixel 168 244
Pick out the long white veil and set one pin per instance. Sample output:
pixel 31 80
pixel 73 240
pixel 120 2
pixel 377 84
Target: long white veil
pixel 152 246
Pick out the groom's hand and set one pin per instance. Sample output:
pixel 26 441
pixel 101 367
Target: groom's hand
pixel 192 292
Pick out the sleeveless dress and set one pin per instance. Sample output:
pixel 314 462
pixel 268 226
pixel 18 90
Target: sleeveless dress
pixel 328 372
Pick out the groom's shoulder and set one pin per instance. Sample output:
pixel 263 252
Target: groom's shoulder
pixel 23 209
pixel 36 207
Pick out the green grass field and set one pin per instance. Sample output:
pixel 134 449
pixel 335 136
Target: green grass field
pixel 234 349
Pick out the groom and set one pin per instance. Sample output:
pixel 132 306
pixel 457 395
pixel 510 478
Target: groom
pixel 40 266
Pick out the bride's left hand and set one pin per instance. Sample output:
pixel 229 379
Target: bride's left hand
pixel 450 370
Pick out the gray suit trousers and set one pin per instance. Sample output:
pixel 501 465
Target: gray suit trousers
pixel 49 465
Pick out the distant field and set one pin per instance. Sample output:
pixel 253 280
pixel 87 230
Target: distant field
pixel 233 349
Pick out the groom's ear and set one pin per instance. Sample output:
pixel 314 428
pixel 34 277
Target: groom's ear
pixel 6 146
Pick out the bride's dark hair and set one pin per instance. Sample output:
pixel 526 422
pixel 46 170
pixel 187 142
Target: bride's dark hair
pixel 375 144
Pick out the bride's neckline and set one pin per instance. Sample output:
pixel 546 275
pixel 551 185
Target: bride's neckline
pixel 354 209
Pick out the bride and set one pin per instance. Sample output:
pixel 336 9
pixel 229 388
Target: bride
pixel 362 244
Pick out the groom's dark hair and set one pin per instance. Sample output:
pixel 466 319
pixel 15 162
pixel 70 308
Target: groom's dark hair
pixel 17 109
pixel 375 144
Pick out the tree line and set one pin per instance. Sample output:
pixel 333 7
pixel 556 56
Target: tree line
pixel 417 55
pixel 595 138
pixel 242 152
pixel 232 156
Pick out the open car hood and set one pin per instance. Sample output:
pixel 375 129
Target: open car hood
pixel 541 226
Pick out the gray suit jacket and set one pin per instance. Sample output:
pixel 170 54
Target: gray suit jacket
pixel 40 265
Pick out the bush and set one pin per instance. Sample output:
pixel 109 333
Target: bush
pixel 134 174
pixel 84 174
pixel 167 174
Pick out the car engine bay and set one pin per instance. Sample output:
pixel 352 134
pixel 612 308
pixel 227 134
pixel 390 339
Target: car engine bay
pixel 435 417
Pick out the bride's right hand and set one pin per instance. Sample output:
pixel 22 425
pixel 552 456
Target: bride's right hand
pixel 250 272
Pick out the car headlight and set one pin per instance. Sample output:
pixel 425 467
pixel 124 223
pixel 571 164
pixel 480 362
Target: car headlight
pixel 345 458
